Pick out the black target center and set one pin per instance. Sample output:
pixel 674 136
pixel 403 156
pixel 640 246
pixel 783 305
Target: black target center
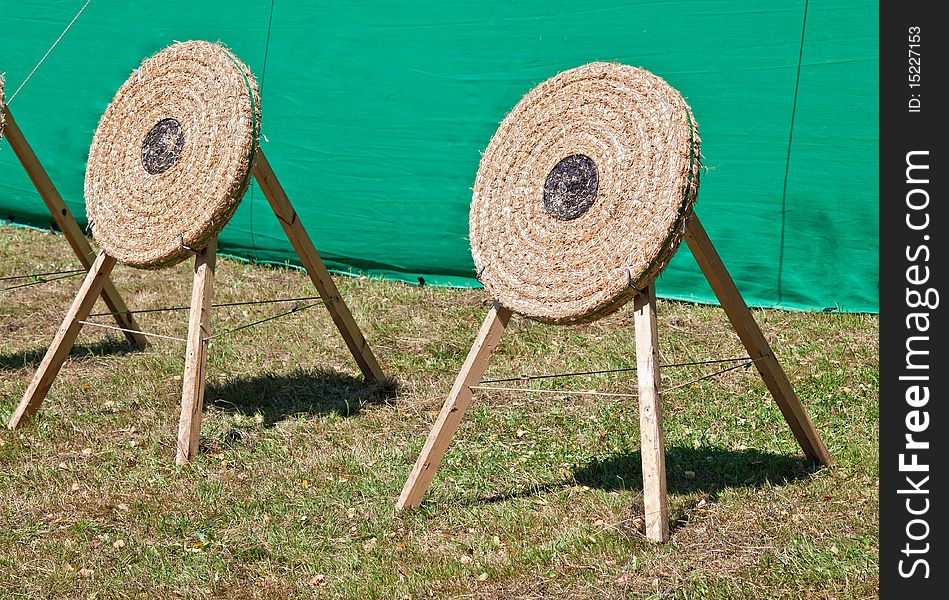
pixel 162 146
pixel 570 187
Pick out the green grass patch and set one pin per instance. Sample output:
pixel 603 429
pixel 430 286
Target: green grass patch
pixel 293 492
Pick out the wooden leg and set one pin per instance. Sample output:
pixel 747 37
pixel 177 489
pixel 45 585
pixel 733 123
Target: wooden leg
pixel 315 268
pixel 650 416
pixel 58 351
pixel 454 409
pixel 755 343
pixel 67 224
pixel 199 325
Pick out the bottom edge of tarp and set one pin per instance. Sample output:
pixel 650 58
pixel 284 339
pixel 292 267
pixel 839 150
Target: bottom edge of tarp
pixel 456 282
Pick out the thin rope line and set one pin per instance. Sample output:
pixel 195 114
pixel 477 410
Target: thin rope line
pixel 747 363
pixel 140 311
pixel 220 305
pixel 28 284
pixel 622 370
pixel 31 275
pixel 157 335
pixel 48 52
pixel 787 163
pixel 710 375
pixel 271 318
pixel 263 79
pixel 552 376
pixel 711 361
pixel 546 391
pixel 263 73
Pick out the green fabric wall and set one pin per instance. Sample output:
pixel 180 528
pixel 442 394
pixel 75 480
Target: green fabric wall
pixel 374 116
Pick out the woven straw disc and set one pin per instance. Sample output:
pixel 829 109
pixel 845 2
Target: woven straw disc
pixel 582 195
pixel 172 155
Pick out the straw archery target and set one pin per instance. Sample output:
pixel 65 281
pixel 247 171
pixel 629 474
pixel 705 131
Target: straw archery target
pixel 582 194
pixel 172 155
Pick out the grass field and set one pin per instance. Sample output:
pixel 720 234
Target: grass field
pixel 293 492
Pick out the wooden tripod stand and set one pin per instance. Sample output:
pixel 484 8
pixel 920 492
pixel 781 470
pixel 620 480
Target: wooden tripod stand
pixel 192 395
pixel 67 224
pixel 647 362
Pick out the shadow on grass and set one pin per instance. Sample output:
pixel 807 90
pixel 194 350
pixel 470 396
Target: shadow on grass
pixel 301 392
pixel 708 469
pixel 114 346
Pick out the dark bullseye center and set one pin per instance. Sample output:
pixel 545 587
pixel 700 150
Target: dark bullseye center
pixel 570 187
pixel 162 146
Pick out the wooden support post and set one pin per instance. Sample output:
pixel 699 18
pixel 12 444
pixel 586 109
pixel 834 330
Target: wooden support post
pixel 755 343
pixel 454 409
pixel 652 446
pixel 315 268
pixel 67 224
pixel 91 287
pixel 199 326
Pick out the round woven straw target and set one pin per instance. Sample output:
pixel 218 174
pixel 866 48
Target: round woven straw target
pixel 583 192
pixel 172 154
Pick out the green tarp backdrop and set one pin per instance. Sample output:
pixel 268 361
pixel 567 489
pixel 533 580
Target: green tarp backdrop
pixel 375 113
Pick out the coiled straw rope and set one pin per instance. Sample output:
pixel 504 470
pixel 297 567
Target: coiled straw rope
pixel 582 194
pixel 172 155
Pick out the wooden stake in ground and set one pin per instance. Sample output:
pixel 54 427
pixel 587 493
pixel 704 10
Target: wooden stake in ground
pixel 754 341
pixel 652 446
pixel 199 328
pixel 67 224
pixel 315 268
pixel 455 406
pixel 192 395
pixel 91 287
